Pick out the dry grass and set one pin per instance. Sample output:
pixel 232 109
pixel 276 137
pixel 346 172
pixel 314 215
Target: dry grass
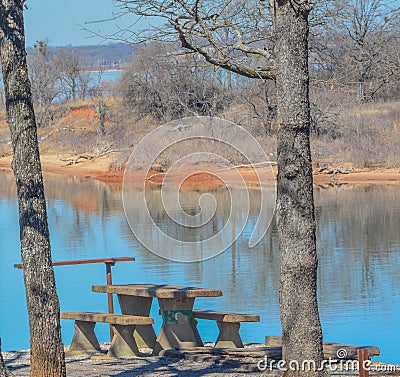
pixel 370 136
pixel 352 136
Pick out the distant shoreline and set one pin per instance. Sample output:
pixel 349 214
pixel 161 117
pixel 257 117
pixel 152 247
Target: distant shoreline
pixel 105 71
pixel 99 169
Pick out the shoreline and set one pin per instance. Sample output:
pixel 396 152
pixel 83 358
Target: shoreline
pixel 193 365
pixel 206 176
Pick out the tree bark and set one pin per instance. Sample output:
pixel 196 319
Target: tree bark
pixel 361 91
pixel 47 352
pixel 301 327
pixel 4 371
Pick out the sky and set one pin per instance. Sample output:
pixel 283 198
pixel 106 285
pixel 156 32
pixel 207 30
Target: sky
pixel 61 22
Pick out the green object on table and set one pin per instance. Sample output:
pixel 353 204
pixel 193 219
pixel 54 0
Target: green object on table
pixel 177 316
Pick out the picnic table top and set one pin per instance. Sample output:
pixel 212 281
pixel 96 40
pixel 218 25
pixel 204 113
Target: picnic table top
pixel 157 290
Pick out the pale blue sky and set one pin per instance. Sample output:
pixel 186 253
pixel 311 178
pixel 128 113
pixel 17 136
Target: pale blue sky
pixel 61 21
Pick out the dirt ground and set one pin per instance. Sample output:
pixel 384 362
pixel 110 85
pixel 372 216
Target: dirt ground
pixel 151 366
pixel 155 366
pixel 99 169
pixel 146 367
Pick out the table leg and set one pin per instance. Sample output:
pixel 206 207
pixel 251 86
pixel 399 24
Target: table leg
pixel 144 335
pixel 194 323
pixel 176 331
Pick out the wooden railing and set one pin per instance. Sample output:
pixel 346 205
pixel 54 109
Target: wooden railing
pixel 109 262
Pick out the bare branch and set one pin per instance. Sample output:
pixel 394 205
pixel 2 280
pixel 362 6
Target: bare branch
pixel 234 35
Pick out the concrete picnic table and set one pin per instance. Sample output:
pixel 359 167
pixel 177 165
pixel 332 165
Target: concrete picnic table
pixel 176 306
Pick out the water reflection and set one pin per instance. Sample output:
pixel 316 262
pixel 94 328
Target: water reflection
pixel 193 225
pixel 358 245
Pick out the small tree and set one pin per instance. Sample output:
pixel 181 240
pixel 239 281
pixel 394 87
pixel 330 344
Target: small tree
pixel 189 87
pixel 74 80
pixel 361 40
pixel 259 95
pixel 98 94
pixel 44 80
pixel 47 351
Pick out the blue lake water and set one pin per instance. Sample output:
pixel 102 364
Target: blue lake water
pixel 112 76
pixel 359 263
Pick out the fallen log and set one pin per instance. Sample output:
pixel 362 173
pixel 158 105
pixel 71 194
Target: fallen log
pixel 91 157
pixel 254 352
pixel 331 350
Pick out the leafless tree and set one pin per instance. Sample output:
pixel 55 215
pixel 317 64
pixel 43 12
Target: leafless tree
pixel 361 41
pixel 236 35
pixel 84 84
pixel 260 97
pixel 44 74
pixel 2 100
pixel 47 351
pixel 301 327
pixel 98 93
pixel 74 80
pixel 188 86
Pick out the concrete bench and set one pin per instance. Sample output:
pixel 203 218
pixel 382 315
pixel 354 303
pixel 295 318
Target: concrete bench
pixel 123 343
pixel 228 324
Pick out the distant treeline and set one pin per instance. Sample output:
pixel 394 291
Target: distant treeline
pixel 105 57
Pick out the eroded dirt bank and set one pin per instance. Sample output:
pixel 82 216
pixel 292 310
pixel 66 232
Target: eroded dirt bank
pixel 205 177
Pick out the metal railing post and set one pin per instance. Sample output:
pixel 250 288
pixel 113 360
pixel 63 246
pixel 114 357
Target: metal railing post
pixel 110 296
pixel 109 262
pixel 362 355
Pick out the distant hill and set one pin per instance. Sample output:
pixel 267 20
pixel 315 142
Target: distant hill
pixel 109 56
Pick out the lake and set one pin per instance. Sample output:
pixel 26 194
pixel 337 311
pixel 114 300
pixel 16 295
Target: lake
pixel 359 262
pixel 112 76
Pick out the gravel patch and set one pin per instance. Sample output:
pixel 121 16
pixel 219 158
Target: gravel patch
pixel 157 366
pixel 149 366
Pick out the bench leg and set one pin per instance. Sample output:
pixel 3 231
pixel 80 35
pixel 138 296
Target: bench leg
pixel 228 336
pixel 194 323
pixel 85 339
pixel 123 343
pixel 144 334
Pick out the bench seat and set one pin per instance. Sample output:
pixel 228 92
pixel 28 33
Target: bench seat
pixel 228 324
pixel 225 316
pixel 123 343
pixel 113 319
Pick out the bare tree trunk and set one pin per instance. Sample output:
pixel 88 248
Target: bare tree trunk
pixel 73 90
pixel 101 108
pixel 361 91
pixel 301 328
pixel 271 112
pixel 47 352
pixel 4 372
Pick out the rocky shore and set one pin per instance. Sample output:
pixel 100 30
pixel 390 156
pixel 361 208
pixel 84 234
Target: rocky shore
pixel 173 364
